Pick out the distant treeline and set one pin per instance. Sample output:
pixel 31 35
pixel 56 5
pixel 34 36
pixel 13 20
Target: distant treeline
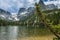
pixel 52 18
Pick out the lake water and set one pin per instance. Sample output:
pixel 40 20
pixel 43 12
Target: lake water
pixel 24 33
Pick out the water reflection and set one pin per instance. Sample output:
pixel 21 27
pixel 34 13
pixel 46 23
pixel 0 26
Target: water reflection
pixel 8 32
pixel 3 33
pixel 18 32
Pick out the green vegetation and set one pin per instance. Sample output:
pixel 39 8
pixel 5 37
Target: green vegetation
pixel 52 20
pixel 49 20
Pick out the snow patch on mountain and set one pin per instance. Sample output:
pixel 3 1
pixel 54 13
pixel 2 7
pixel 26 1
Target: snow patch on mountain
pixel 14 16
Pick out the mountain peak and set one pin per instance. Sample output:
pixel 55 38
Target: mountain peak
pixel 4 12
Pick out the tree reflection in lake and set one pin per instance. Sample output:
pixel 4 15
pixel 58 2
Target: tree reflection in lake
pixel 8 32
pixel 22 32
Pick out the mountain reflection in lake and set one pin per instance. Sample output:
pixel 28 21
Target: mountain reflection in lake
pixel 8 32
pixel 24 33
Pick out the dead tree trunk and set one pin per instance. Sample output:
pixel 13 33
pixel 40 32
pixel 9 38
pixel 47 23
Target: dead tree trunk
pixel 39 13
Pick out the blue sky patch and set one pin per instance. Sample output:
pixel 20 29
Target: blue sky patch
pixel 14 5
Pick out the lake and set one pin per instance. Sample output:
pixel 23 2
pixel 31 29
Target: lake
pixel 25 33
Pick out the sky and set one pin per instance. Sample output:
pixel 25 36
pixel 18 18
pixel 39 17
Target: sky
pixel 14 5
pixel 55 2
pixel 51 2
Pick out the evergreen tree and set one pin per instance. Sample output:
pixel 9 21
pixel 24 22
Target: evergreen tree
pixel 39 13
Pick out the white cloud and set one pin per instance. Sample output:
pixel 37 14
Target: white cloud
pixel 4 4
pixel 9 4
pixel 14 5
pixel 55 2
pixel 14 0
pixel 52 2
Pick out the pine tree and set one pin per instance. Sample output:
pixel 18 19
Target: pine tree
pixel 39 13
